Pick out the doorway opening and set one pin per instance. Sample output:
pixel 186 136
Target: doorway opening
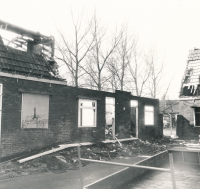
pixel 169 124
pixel 110 119
pixel 134 119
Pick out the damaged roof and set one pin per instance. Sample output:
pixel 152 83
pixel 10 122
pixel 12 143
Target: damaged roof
pixel 169 106
pixel 24 63
pixel 191 78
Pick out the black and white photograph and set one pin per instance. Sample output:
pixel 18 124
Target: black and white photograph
pixel 100 94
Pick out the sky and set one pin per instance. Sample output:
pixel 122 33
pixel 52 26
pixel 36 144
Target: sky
pixel 170 26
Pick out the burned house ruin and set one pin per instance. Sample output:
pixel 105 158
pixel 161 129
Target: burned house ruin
pixel 38 108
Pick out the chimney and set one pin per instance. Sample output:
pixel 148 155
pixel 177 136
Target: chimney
pixel 34 49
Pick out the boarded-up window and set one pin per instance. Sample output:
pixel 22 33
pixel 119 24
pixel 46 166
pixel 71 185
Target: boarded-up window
pixel 149 115
pixel 35 111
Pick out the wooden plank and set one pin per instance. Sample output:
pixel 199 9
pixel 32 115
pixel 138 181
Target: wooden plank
pixel 183 157
pixel 125 165
pixel 175 149
pixel 80 166
pixel 63 146
pixel 121 140
pixel 53 150
pixel 172 170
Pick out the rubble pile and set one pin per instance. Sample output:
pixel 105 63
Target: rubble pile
pixel 67 159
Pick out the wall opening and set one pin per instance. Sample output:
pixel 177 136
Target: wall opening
pixel 134 118
pixel 169 124
pixel 87 113
pixel 197 116
pixel 110 118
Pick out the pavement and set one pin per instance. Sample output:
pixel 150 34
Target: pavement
pixel 66 180
pixel 187 176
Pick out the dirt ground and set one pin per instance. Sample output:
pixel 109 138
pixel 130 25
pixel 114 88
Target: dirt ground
pixel 61 161
pixel 67 159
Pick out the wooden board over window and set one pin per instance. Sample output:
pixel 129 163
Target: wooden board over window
pixel 35 111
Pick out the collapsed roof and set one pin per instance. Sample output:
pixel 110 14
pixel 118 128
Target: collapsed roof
pixel 29 40
pixel 191 79
pixel 29 61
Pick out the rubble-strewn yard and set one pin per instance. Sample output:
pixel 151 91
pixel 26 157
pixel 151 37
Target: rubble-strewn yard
pixel 67 159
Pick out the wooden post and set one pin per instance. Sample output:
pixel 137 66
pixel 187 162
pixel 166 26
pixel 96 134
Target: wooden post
pixel 80 166
pixel 1 92
pixel 172 170
pixel 113 128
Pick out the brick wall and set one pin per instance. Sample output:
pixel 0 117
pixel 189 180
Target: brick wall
pixel 122 114
pixel 160 125
pixel 185 130
pixel 63 116
pixel 147 131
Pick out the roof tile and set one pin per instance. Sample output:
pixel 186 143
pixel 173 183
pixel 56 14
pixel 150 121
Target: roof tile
pixel 23 62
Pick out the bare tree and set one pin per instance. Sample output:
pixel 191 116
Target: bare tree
pixel 167 89
pixel 118 65
pixel 99 55
pixel 139 71
pixel 156 72
pixel 72 51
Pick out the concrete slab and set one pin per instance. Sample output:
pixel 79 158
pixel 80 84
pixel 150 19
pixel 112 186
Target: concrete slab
pixel 187 176
pixel 67 180
pixel 125 175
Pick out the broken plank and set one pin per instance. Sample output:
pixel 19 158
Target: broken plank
pixel 62 147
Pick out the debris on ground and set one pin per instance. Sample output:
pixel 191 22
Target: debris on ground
pixel 67 159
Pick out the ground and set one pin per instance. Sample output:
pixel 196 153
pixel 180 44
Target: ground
pixel 64 160
pixel 59 170
pixel 186 175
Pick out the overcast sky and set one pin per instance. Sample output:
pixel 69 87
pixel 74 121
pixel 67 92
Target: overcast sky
pixel 170 26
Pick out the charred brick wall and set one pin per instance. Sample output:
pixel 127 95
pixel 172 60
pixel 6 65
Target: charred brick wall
pixel 147 131
pixel 186 130
pixel 160 126
pixel 122 114
pixel 63 116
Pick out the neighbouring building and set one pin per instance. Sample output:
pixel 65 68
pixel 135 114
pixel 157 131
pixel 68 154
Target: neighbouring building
pixel 185 112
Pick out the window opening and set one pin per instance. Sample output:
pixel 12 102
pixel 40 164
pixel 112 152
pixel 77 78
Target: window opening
pixel 87 113
pixel 149 115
